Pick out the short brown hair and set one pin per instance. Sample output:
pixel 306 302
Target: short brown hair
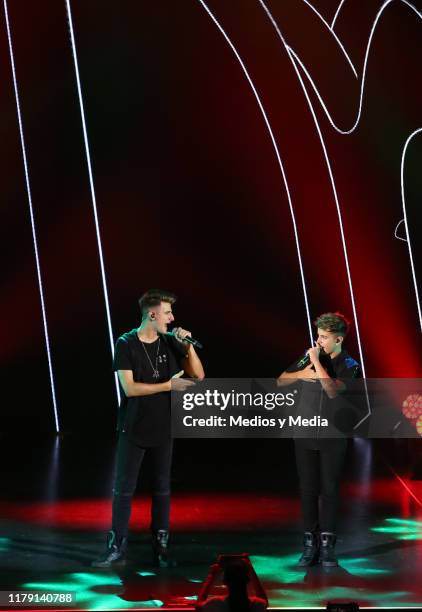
pixel 153 298
pixel 334 322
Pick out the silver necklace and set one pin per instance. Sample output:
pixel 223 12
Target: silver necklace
pixel 155 372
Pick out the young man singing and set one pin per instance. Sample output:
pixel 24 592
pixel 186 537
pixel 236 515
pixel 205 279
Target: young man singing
pixel 319 461
pixel 149 363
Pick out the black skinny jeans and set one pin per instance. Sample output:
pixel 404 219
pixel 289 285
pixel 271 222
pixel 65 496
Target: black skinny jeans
pixel 319 479
pixel 129 460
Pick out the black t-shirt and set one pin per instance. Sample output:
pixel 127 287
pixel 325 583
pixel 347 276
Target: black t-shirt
pixel 314 400
pixel 147 419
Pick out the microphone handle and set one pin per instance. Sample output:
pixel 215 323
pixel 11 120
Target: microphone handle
pixel 187 340
pixel 304 361
pixel 192 341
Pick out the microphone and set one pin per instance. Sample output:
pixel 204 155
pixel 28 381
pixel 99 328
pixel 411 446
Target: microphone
pixel 187 339
pixel 304 361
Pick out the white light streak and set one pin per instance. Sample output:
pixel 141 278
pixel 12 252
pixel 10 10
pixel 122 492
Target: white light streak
pixel 335 36
pixel 343 240
pixel 363 80
pixel 91 184
pixel 403 199
pixel 327 161
pixel 280 163
pixel 354 126
pixel 397 229
pixel 337 13
pixel 405 486
pixel 349 131
pixel 31 214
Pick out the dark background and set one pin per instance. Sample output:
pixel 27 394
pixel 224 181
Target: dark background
pixel 189 191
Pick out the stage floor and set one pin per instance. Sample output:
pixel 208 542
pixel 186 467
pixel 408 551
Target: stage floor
pixel 55 509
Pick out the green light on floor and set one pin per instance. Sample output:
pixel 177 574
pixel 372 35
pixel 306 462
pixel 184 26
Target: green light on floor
pixel 301 597
pixel 191 598
pixel 281 569
pixel 146 574
pixel 50 586
pixel 403 529
pixel 194 580
pixel 361 567
pixel 399 521
pixel 294 591
pixel 391 529
pixel 94 579
pixel 5 544
pixel 103 604
pixel 85 587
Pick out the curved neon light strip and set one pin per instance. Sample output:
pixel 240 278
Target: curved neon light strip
pixel 327 161
pixel 335 36
pixel 31 214
pixel 418 131
pixel 345 132
pixel 280 163
pixel 396 230
pixel 337 13
pixel 354 126
pixel 91 184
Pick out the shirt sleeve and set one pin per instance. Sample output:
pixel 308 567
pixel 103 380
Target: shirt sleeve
pixel 122 360
pixel 349 369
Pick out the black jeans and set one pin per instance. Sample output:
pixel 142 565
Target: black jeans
pixel 319 478
pixel 129 460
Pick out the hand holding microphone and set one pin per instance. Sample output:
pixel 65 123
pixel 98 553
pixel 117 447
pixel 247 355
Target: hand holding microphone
pixel 310 356
pixel 184 336
pixel 304 361
pixel 313 353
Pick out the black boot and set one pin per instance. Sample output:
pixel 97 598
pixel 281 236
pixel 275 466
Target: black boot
pixel 160 549
pixel 310 549
pixel 115 553
pixel 327 555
